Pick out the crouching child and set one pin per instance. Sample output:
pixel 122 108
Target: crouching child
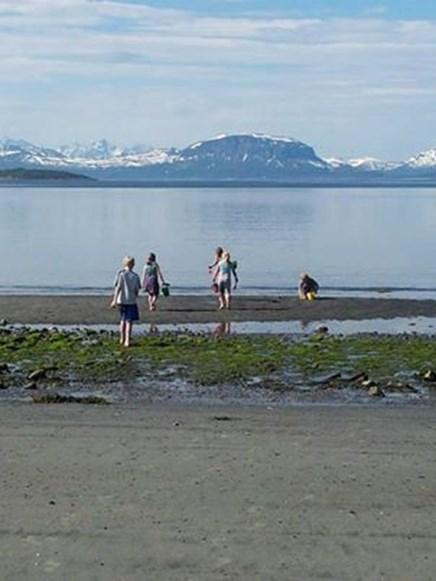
pixel 307 288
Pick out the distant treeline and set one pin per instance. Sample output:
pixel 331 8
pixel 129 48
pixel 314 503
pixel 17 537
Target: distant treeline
pixel 22 174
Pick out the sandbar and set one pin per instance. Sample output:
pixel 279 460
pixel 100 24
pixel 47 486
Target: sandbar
pixel 87 310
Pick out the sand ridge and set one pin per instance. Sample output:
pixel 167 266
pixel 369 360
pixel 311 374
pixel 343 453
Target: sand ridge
pixel 78 309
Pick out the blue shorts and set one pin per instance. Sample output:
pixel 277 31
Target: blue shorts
pixel 129 313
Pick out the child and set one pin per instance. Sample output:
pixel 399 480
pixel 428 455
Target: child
pixel 151 275
pixel 223 277
pixel 127 285
pixel 308 287
pixel 219 251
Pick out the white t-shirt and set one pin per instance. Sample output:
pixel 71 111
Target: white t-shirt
pixel 127 285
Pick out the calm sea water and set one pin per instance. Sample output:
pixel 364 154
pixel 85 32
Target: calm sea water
pixel 353 241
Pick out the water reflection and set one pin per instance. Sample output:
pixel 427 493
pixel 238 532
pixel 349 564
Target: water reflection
pixel 223 328
pixel 75 238
pixel 153 329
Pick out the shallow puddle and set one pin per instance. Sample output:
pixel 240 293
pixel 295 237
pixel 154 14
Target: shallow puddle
pixel 398 325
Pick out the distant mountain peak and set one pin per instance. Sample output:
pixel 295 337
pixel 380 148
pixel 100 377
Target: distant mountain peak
pixel 100 149
pixel 425 159
pixel 252 156
pixel 244 136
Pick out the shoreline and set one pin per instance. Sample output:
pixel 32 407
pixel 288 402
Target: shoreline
pixel 94 310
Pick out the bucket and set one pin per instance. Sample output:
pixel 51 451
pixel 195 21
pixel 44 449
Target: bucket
pixel 166 290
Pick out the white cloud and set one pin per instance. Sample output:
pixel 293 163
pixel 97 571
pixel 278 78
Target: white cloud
pixel 68 57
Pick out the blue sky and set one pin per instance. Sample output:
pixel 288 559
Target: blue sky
pixel 350 77
pixel 395 9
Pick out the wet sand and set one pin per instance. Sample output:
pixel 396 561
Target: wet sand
pixel 175 494
pixel 73 310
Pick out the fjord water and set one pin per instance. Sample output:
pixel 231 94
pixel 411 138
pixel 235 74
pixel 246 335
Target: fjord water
pixel 354 241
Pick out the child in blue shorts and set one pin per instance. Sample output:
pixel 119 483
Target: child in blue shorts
pixel 127 285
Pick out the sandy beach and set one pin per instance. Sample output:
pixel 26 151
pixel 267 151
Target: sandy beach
pixel 73 310
pixel 173 492
pixel 161 493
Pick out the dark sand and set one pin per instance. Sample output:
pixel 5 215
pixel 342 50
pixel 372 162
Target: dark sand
pixel 173 494
pixel 71 310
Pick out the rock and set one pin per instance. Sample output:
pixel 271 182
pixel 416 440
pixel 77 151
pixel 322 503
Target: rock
pixel 31 385
pixel 359 377
pixel 322 329
pixel 327 378
pixel 37 374
pixel 376 391
pixel 3 322
pixel 368 383
pixel 429 375
pixel 4 368
pixel 400 386
pixel 225 418
pixel 48 397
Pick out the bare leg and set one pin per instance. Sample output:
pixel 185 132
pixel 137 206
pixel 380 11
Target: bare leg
pixel 150 302
pixel 227 299
pixel 127 333
pixel 122 332
pixel 153 302
pixel 221 301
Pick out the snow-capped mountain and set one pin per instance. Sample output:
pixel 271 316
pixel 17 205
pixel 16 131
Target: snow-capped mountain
pixel 253 156
pixel 19 153
pixel 366 164
pixel 101 149
pixel 369 164
pixel 424 160
pixel 250 156
pixel 99 155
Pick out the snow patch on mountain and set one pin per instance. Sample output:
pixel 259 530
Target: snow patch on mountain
pixel 335 162
pixel 368 164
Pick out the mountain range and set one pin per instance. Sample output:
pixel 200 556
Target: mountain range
pixel 237 158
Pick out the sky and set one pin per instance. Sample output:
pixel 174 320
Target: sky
pixel 350 77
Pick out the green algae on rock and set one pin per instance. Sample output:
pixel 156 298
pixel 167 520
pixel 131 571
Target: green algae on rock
pixel 52 357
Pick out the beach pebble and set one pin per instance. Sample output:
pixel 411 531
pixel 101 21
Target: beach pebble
pixel 429 375
pixel 376 391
